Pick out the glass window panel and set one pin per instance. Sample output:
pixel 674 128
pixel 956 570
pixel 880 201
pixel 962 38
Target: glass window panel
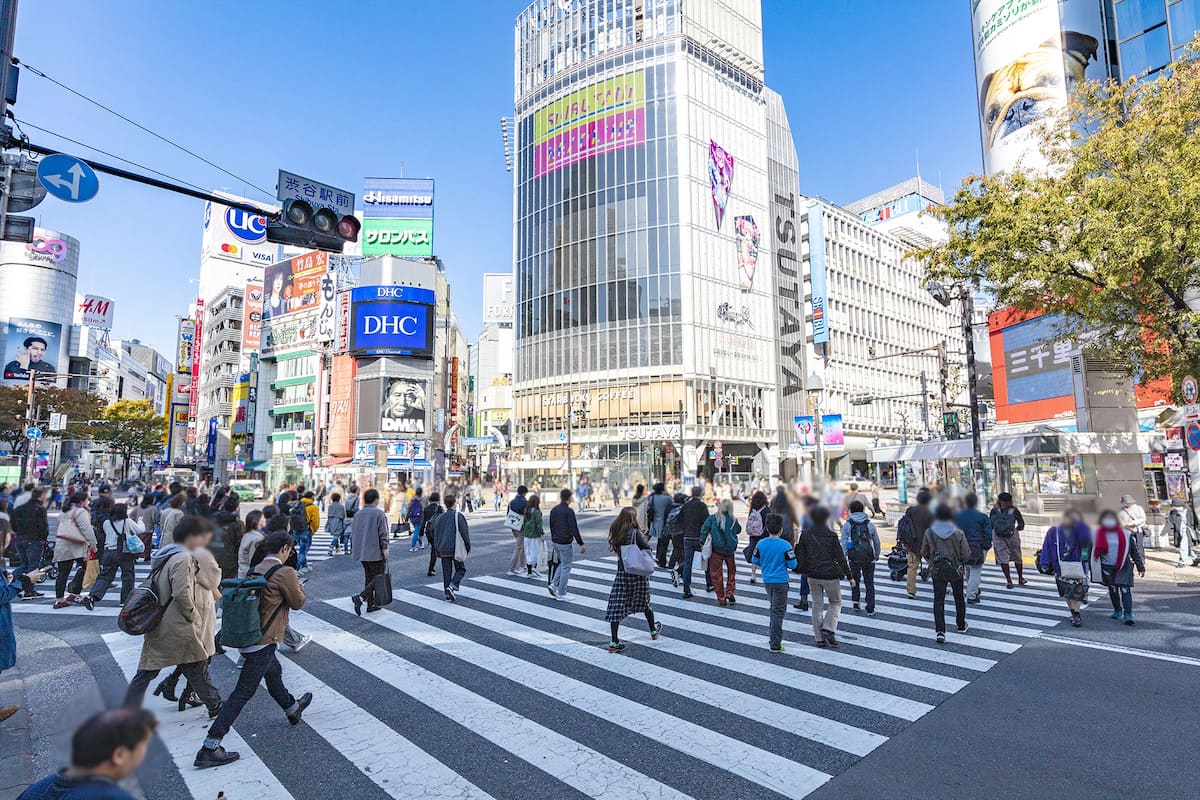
pixel 1135 16
pixel 1185 22
pixel 1145 53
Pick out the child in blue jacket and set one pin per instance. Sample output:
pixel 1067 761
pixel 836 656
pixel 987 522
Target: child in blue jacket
pixel 775 558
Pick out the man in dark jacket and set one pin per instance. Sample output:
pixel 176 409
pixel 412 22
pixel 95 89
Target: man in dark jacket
pixel 657 508
pixel 564 534
pixel 370 538
pixel 820 556
pixel 449 527
pixel 977 527
pixel 107 748
pixel 433 509
pixel 692 517
pixel 945 548
pixel 920 518
pixel 31 530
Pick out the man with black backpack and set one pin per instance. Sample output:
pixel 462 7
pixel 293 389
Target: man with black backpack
pixel 860 539
pixel 910 532
pixel 977 527
pixel 281 594
pixel 945 548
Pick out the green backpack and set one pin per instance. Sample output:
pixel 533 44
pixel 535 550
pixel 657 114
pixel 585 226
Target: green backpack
pixel 241 617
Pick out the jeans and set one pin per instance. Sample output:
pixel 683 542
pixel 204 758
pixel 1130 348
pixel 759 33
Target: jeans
pixel 453 573
pixel 864 580
pixel 823 620
pixel 914 566
pixel 724 590
pixel 777 594
pixel 370 570
pixel 303 542
pixel 660 551
pixel 416 533
pixel 974 576
pixel 110 562
pixel 30 555
pixel 1185 548
pixel 64 573
pixel 259 665
pixel 196 673
pixel 1122 598
pixel 939 604
pixel 565 553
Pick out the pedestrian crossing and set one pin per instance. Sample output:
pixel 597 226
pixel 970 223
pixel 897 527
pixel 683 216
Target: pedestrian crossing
pixel 510 693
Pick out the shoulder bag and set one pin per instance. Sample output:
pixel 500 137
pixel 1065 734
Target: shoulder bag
pixel 1068 570
pixel 70 534
pixel 636 560
pixel 460 547
pixel 381 585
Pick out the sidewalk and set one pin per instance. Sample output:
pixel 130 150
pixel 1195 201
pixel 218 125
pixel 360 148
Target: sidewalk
pixel 16 743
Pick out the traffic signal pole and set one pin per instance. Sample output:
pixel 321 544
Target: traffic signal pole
pixel 8 31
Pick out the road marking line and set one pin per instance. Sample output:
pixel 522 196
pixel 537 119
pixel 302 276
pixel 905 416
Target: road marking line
pixel 769 770
pixel 797 679
pixel 183 732
pixel 563 759
pixel 783 717
pixel 1117 648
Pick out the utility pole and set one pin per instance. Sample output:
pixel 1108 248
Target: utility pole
pixel 925 405
pixel 968 322
pixel 570 460
pixel 8 32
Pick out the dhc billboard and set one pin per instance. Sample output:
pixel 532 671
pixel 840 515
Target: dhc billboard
pixel 392 328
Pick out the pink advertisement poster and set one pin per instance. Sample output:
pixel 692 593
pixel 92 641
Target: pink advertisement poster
pixel 720 176
pixel 590 139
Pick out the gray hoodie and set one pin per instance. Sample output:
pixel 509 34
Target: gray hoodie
pixel 944 537
pixel 163 554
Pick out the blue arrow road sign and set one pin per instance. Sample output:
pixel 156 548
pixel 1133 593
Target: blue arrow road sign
pixel 68 178
pixel 33 433
pixel 1193 436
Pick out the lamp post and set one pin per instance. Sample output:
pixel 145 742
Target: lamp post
pixel 962 293
pixel 815 386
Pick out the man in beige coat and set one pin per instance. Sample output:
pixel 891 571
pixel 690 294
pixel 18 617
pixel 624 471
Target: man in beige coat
pixel 185 637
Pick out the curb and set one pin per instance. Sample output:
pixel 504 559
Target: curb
pixel 16 743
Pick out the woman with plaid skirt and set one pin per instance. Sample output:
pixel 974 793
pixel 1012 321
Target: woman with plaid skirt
pixel 630 593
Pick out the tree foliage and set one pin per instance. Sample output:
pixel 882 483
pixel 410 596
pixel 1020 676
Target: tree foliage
pixel 131 427
pixel 79 406
pixel 1108 237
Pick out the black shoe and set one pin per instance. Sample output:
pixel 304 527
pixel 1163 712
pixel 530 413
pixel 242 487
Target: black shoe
pixel 1076 619
pixel 941 638
pixel 31 595
pixel 213 712
pixel 304 702
pixel 830 639
pixel 215 757
pixel 688 595
pixel 450 595
pixel 428 574
pixel 166 690
pixel 188 700
pixel 964 628
pixel 973 600
pixel 373 609
pixel 801 606
pixel 89 603
pixel 731 600
pixel 357 605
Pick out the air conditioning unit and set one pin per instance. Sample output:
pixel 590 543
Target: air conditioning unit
pixel 1104 398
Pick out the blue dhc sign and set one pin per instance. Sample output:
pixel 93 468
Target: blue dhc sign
pixel 392 327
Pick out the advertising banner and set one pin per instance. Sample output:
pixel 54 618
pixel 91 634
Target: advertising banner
pixel 392 328
pixel 833 435
pixel 294 285
pixel 252 316
pixel 745 231
pixel 401 198
pixel 403 408
pixel 407 238
pixel 602 118
pixel 29 346
pixel 210 443
pixel 498 298
pixel 454 390
pixel 341 405
pixel 1029 56
pixel 397 451
pixel 820 293
pixel 341 340
pixel 1174 437
pixel 194 400
pixel 187 336
pixel 95 311
pixel 236 235
pixel 327 316
pixel 240 400
pixel 720 179
pixel 289 333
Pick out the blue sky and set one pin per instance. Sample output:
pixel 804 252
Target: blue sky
pixel 338 91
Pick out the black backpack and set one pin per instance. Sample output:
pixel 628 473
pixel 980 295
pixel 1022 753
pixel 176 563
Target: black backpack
pixel 862 544
pixel 942 567
pixel 1004 523
pixel 298 518
pixel 671 528
pixel 905 534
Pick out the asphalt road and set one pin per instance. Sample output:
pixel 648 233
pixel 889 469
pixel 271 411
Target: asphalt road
pixel 508 694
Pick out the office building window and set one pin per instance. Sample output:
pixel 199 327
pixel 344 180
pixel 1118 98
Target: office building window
pixel 1135 16
pixel 1185 23
pixel 1145 53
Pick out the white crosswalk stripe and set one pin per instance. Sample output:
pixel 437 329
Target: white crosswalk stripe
pixel 791 720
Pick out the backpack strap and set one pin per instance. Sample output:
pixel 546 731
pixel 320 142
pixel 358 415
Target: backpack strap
pixel 274 614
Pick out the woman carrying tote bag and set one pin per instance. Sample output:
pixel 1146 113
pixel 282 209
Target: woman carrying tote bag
pixel 1065 550
pixel 630 592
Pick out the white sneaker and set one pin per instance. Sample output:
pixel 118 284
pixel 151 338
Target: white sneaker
pixel 516 572
pixel 304 640
pixel 562 597
pixel 534 574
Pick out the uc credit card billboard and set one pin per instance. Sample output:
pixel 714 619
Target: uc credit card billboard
pixel 398 217
pixel 392 320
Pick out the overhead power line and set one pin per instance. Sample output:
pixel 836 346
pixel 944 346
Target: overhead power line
pixel 141 127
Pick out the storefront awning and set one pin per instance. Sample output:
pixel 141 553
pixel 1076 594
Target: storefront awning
pixel 560 464
pixel 1046 441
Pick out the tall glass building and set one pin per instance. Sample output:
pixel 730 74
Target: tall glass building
pixel 1152 33
pixel 645 322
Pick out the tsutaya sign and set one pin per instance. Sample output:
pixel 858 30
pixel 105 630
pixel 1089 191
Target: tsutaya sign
pixel 651 433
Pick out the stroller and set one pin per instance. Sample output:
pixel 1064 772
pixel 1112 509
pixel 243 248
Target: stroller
pixel 47 565
pixel 897 562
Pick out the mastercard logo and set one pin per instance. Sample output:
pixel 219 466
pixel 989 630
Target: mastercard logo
pixel 230 249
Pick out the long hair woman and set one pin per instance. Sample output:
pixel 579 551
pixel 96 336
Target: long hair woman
pixel 756 529
pixel 531 530
pixel 630 593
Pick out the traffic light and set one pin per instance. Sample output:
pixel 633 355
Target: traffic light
pixel 314 226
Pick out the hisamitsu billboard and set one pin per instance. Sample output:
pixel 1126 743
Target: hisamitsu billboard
pixel 398 198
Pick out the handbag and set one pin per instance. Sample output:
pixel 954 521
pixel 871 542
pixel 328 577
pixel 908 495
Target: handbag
pixel 706 548
pixel 133 544
pixel 381 585
pixel 460 547
pixel 1068 570
pixel 636 560
pixel 543 556
pixel 513 521
pixel 70 534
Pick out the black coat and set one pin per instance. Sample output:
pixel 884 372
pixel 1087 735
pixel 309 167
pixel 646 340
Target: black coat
pixel 820 556
pixel 692 517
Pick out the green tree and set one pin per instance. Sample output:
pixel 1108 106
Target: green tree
pixel 79 406
pixel 131 427
pixel 1108 237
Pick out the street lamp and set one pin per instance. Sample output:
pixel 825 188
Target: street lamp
pixel 962 293
pixel 815 386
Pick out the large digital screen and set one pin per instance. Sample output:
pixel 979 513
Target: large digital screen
pixel 294 285
pixel 392 327
pixel 1037 360
pixel 601 118
pixel 30 345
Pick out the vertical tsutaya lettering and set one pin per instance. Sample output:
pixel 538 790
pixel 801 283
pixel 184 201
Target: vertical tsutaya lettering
pixel 791 344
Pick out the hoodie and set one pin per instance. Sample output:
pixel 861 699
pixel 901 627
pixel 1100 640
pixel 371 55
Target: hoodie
pixel 944 537
pixel 163 554
pixel 859 517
